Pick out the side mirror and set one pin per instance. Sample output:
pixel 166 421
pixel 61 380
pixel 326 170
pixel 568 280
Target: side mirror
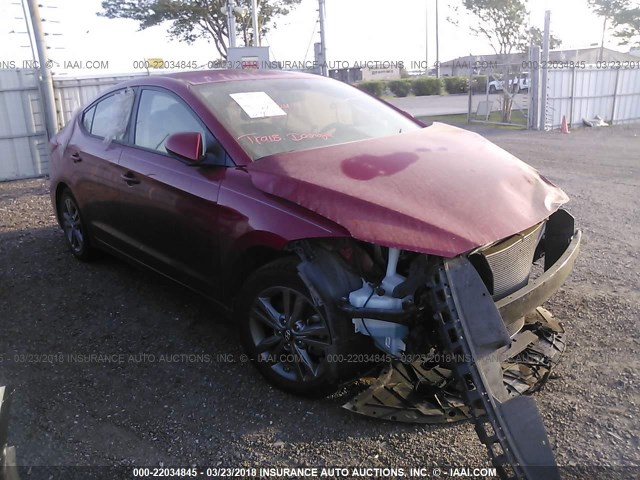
pixel 185 146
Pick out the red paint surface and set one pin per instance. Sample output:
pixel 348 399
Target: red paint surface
pixel 441 190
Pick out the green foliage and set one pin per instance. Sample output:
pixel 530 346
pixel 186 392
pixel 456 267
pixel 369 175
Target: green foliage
pixel 427 86
pixel 608 10
pixel 627 22
pixel 190 20
pixel 502 22
pixel 455 85
pixel 400 88
pixel 479 84
pixel 536 38
pixel 373 87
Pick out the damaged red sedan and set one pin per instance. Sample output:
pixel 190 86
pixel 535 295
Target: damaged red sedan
pixel 346 237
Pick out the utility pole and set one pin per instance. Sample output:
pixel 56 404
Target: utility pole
pixel 323 40
pixel 231 21
pixel 256 28
pixel 26 22
pixel 46 82
pixel 604 31
pixel 437 42
pixel 426 48
pixel 545 63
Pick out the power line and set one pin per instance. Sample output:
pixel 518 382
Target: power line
pixel 313 33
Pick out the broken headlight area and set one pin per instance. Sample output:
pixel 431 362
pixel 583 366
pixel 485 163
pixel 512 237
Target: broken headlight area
pixel 466 337
pixel 418 385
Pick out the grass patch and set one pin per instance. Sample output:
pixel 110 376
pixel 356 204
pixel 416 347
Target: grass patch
pixel 461 119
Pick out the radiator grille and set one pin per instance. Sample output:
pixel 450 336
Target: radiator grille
pixel 511 261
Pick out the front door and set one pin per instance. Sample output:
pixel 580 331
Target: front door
pixel 170 207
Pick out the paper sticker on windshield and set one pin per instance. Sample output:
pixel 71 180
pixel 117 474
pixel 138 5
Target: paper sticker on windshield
pixel 258 104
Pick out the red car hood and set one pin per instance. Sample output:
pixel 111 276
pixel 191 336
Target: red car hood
pixel 440 190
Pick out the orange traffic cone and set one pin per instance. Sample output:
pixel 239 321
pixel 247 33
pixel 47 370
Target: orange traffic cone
pixel 564 128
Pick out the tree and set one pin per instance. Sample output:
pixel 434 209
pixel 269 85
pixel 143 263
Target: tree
pixel 607 9
pixel 193 19
pixel 536 38
pixel 503 23
pixel 627 23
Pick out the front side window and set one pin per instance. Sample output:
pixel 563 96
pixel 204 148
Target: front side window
pixel 160 115
pixel 111 115
pixel 289 114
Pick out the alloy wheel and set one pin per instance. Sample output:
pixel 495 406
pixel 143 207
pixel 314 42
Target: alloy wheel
pixel 72 225
pixel 289 334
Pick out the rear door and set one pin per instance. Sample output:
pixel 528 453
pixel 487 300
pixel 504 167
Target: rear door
pixel 93 154
pixel 169 207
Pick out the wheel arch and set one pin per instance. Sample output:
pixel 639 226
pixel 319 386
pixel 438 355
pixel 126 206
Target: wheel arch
pixel 248 261
pixel 60 188
pixel 254 252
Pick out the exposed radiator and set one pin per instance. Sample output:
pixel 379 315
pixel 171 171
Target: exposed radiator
pixel 511 261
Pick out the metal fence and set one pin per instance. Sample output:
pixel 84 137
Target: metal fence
pixel 73 93
pixel 578 94
pixel 23 136
pixel 23 139
pixel 500 94
pixel 612 94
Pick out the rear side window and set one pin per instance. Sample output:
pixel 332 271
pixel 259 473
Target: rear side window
pixel 109 117
pixel 87 119
pixel 161 114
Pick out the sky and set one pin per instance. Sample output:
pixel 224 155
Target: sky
pixel 356 31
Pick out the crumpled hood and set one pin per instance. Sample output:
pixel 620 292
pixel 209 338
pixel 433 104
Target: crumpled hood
pixel 440 190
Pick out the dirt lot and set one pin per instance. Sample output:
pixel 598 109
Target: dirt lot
pixel 211 408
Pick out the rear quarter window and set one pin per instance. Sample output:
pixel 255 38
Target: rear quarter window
pixel 87 118
pixel 110 116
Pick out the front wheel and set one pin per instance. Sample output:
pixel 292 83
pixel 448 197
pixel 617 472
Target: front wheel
pixel 284 333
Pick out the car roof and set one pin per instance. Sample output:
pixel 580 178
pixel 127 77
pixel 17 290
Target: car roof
pixel 197 77
pixel 185 80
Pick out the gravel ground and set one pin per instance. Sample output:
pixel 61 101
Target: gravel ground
pixel 213 409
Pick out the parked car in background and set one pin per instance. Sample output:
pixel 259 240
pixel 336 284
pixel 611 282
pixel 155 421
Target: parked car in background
pixel 519 83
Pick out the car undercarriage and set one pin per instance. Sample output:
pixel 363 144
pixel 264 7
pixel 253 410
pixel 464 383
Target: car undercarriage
pixel 461 338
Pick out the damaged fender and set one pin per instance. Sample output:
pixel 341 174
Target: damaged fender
pixel 327 279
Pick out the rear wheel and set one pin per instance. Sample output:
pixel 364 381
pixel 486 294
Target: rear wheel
pixel 284 333
pixel 74 228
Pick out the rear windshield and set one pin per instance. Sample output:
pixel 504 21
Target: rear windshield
pixel 283 115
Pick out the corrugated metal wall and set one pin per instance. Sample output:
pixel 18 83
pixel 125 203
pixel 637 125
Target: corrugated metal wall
pixel 23 138
pixel 580 94
pixel 73 93
pixel 23 141
pixel 612 94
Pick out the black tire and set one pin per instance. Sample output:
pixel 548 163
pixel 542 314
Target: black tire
pixel 291 353
pixel 75 232
pixel 492 89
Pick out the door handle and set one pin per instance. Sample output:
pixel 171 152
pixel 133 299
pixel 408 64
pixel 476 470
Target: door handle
pixel 130 178
pixel 76 157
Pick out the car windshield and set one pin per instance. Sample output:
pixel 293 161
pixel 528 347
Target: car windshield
pixel 283 115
